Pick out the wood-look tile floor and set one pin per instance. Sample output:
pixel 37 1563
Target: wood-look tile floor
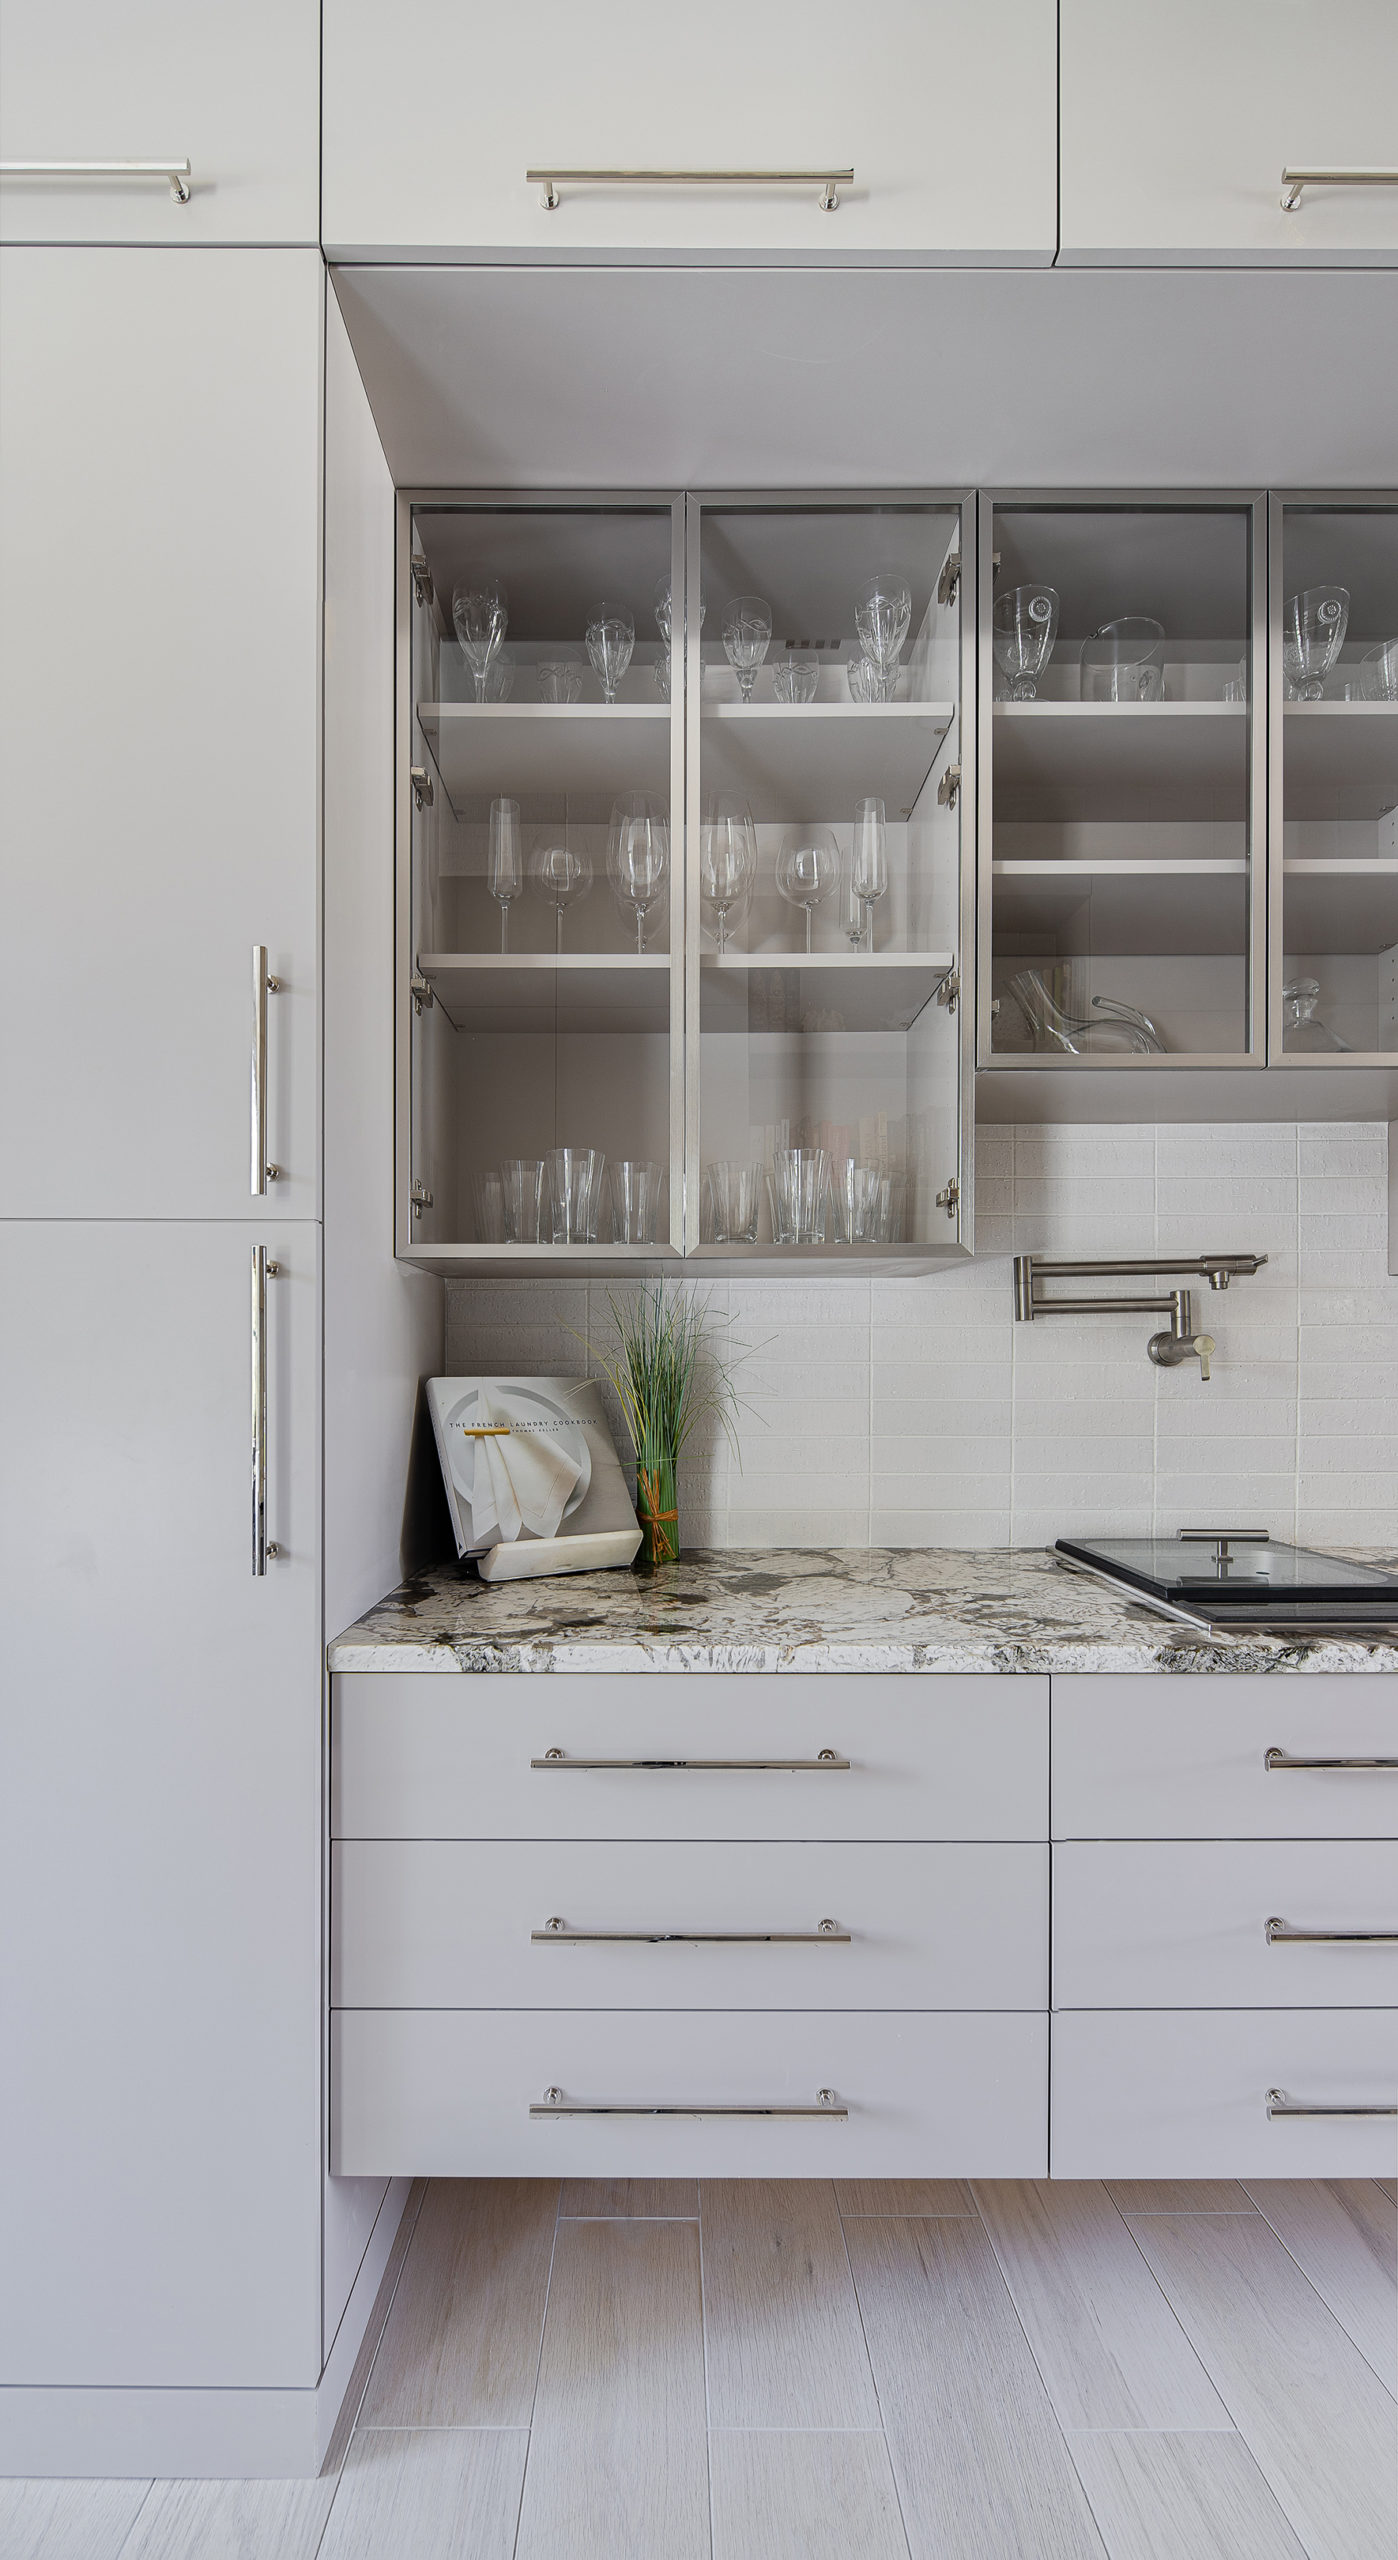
pixel 793 2370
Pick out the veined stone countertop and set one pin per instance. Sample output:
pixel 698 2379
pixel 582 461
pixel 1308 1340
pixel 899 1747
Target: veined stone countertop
pixel 815 1609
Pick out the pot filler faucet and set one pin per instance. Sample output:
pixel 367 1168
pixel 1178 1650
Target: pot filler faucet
pixel 1179 1341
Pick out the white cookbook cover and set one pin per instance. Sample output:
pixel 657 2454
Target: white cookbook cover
pixel 534 1484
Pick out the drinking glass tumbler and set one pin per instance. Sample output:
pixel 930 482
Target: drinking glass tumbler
pixel 747 633
pixel 480 616
pixel 1314 624
pixel 611 637
pixel 854 1202
pixel 796 679
pixel 1024 626
pixel 634 1188
pixel 575 1193
pixel 523 1186
pixel 505 876
pixel 734 1194
pixel 799 1182
pixel 490 1207
pixel 1122 661
pixel 1378 673
pixel 559 680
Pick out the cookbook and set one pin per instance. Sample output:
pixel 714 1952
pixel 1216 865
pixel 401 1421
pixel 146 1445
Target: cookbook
pixel 533 1481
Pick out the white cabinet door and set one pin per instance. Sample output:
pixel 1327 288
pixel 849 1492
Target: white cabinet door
pixel 159 643
pixel 944 110
pixel 1183 2093
pixel 1188 1924
pixel 1137 1757
pixel 234 91
pixel 1178 122
pixel 159 1813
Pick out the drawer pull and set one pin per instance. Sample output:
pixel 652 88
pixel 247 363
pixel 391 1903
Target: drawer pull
pixel 177 173
pixel 556 1933
pixel 1281 1934
pixel 554 2103
pixel 556 1759
pixel 1294 180
pixel 828 180
pixel 1278 2104
pixel 1283 1760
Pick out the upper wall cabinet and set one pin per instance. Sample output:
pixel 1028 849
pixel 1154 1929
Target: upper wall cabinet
pixel 1179 123
pixel 621 131
pixel 108 100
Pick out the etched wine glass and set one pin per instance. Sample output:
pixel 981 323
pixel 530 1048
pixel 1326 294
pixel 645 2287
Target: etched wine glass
pixel 883 609
pixel 1024 627
pixel 564 874
pixel 747 633
pixel 1313 634
pixel 727 860
pixel 807 871
pixel 505 877
pixel 638 856
pixel 611 637
pixel 868 873
pixel 480 614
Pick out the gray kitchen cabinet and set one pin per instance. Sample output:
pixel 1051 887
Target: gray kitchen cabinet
pixel 231 94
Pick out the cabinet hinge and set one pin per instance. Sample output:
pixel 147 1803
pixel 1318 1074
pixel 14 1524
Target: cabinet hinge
pixel 950 1199
pixel 421 992
pixel 949 992
pixel 950 578
pixel 949 787
pixel 994 566
pixel 421 781
pixel 422 578
pixel 422 1198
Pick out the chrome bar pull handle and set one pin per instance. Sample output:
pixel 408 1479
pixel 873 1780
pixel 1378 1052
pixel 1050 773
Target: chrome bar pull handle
pixel 1294 180
pixel 262 987
pixel 177 173
pixel 550 179
pixel 1275 1759
pixel 557 1933
pixel 1281 1934
pixel 263 1270
pixel 1278 2104
pixel 556 1759
pixel 555 2103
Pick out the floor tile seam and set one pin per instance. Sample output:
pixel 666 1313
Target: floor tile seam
pixel 1388 2383
pixel 882 2429
pixel 145 2502
pixel 538 2366
pixel 879 2431
pixel 1205 2361
pixel 1049 2401
pixel 446 2427
pixel 1164 2291
pixel 407 2251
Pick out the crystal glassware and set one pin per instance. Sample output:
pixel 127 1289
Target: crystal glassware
pixel 505 876
pixel 732 1199
pixel 1301 1026
pixel 1024 625
pixel 1378 673
pixel 634 1195
pixel 796 679
pixel 727 860
pixel 747 633
pixel 522 1182
pixel 864 681
pixel 499 678
pixel 1314 624
pixel 660 672
pixel 883 609
pixel 1122 661
pixel 560 680
pixel 1118 1027
pixel 480 614
pixel 799 1184
pixel 611 637
pixel 563 874
pixel 638 856
pixel 490 1207
pixel 892 1210
pixel 854 1202
pixel 663 618
pixel 868 868
pixel 575 1193
pixel 808 870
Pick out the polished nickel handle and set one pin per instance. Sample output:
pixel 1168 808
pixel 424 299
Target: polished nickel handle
pixel 1283 1760
pixel 554 2103
pixel 262 988
pixel 177 172
pixel 262 1272
pixel 556 1933
pixel 556 1759
pixel 1293 180
pixel 829 181
pixel 1281 1934
pixel 1278 2104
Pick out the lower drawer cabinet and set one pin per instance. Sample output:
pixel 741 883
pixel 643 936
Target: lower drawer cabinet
pixel 1225 1924
pixel 1184 2093
pixel 449 2093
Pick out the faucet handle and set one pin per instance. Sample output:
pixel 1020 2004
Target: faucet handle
pixel 1205 1346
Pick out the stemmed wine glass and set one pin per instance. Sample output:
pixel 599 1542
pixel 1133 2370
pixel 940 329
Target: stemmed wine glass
pixel 883 609
pixel 1024 624
pixel 868 870
pixel 563 873
pixel 1313 634
pixel 611 637
pixel 747 632
pixel 807 871
pixel 505 877
pixel 727 860
pixel 480 613
pixel 638 856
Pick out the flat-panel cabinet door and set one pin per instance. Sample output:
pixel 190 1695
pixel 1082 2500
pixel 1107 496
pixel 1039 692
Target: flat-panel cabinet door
pixel 159 640
pixel 232 92
pixel 1177 125
pixel 434 114
pixel 159 1804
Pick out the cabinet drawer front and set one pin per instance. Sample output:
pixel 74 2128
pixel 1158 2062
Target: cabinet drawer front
pixel 1183 2093
pixel 442 1756
pixel 447 2093
pixel 1148 1924
pixel 462 1924
pixel 1159 1759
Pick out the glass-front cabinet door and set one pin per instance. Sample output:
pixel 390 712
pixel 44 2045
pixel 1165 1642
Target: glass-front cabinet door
pixel 1334 599
pixel 1122 786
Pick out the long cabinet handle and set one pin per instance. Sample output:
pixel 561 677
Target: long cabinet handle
pixel 263 1270
pixel 556 1933
pixel 1281 1934
pixel 556 1759
pixel 263 986
pixel 1278 2104
pixel 1275 1759
pixel 551 179
pixel 177 172
pixel 554 2103
pixel 1294 180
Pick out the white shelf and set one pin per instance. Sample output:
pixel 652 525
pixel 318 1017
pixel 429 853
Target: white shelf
pixel 763 991
pixel 815 759
pixel 531 750
pixel 1340 759
pixel 1339 906
pixel 543 991
pixel 1176 907
pixel 1056 761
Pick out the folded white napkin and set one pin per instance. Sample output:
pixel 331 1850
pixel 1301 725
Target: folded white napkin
pixel 530 1476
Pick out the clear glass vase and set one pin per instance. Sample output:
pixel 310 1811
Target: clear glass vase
pixel 658 1509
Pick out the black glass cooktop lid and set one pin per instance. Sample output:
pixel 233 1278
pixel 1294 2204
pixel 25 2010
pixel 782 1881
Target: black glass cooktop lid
pixel 1234 1567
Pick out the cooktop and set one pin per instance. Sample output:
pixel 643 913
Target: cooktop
pixel 1242 1578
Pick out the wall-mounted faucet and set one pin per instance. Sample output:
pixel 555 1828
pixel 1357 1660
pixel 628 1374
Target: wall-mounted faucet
pixel 1179 1341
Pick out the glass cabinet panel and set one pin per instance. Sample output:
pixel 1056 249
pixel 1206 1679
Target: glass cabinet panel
pixel 1122 800
pixel 824 678
pixel 1335 779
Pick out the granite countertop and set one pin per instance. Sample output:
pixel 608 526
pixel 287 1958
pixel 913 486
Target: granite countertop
pixel 815 1609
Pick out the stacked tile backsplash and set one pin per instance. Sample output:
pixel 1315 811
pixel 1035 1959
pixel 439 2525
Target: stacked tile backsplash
pixel 916 1412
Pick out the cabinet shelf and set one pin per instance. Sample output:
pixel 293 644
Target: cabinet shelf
pixel 1177 906
pixel 815 759
pixel 543 991
pixel 1341 759
pixel 1057 761
pixel 752 992
pixel 1340 906
pixel 527 751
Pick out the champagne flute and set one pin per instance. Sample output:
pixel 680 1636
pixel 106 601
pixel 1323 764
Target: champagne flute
pixel 638 856
pixel 611 637
pixel 883 609
pixel 505 877
pixel 563 874
pixel 868 874
pixel 747 632
pixel 807 871
pixel 727 860
pixel 480 614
